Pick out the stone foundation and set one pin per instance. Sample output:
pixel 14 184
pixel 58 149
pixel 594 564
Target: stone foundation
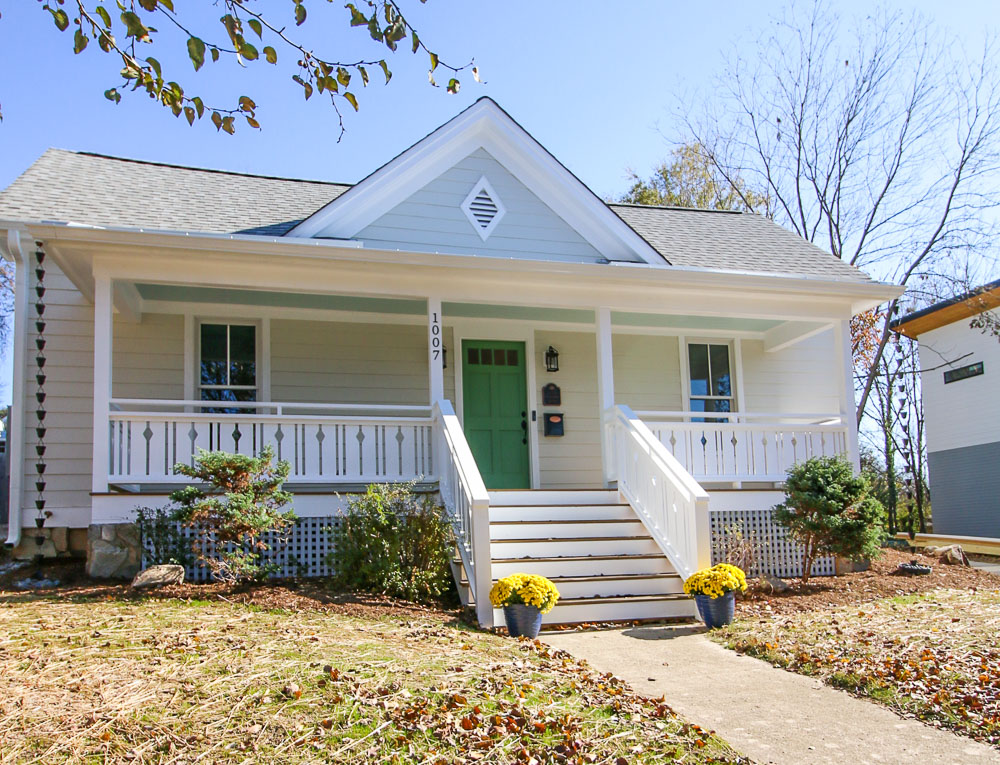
pixel 113 551
pixel 60 542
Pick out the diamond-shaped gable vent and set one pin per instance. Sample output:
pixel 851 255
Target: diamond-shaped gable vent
pixel 483 208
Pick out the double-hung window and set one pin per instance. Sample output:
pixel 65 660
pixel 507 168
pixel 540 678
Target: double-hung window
pixel 711 386
pixel 228 365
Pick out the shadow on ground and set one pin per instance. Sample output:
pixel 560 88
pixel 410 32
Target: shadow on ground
pixel 664 632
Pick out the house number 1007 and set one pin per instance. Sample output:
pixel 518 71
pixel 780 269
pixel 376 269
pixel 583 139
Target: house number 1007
pixel 435 336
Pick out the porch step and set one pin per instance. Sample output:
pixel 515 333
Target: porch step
pixel 625 585
pixel 568 528
pixel 560 513
pixel 595 550
pixel 559 547
pixel 585 565
pixel 509 497
pixel 617 609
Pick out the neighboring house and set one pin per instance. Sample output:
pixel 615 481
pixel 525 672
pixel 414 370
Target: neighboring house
pixel 960 385
pixel 410 327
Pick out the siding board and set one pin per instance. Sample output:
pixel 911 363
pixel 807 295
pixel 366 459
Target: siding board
pixel 432 220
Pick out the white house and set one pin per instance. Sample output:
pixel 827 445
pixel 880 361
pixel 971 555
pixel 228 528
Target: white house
pixel 961 397
pixel 410 327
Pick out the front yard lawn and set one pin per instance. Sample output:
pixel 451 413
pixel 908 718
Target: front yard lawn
pixel 169 680
pixel 932 655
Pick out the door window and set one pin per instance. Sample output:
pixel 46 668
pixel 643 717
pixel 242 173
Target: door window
pixel 711 380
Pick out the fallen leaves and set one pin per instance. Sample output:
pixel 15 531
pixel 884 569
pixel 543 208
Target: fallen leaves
pixel 913 653
pixel 173 681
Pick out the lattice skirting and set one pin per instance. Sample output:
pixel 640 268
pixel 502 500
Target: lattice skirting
pixel 299 551
pixel 773 552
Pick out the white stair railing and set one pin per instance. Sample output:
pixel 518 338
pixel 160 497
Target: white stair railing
pixel 468 503
pixel 668 500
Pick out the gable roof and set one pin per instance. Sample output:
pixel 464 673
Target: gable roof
pixel 99 190
pixel 964 306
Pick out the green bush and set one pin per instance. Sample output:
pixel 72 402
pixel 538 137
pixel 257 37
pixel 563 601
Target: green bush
pixel 244 501
pixel 166 544
pixel 389 541
pixel 830 511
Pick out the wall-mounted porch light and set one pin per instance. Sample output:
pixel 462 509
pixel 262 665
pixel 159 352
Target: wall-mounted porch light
pixel 444 357
pixel 551 360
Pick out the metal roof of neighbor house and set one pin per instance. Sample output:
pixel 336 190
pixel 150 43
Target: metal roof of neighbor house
pixel 93 189
pixel 963 306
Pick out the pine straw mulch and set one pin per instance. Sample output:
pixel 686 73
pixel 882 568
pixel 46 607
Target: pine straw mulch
pixel 175 681
pixel 291 595
pixel 881 581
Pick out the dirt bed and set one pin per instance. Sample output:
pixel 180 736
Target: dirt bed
pixel 882 580
pixel 289 595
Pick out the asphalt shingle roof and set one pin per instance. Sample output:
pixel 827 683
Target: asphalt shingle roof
pixel 732 241
pixel 97 190
pixel 93 189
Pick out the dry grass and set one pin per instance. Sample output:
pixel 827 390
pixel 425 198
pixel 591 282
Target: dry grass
pixel 930 655
pixel 171 681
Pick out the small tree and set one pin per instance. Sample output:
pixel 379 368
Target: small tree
pixel 830 511
pixel 242 503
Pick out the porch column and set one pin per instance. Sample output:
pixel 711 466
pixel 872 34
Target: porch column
pixel 842 330
pixel 102 380
pixel 605 381
pixel 435 349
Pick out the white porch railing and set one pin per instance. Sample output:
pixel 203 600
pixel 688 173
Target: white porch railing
pixel 324 443
pixel 670 503
pixel 465 497
pixel 749 447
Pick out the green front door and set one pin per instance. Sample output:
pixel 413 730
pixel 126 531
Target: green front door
pixel 495 411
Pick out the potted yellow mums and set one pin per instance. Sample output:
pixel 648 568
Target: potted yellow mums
pixel 524 598
pixel 714 593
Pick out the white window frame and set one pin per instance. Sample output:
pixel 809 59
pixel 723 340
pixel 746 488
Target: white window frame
pixel 231 321
pixel 734 382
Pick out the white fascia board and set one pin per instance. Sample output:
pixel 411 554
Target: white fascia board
pixel 482 125
pixel 98 240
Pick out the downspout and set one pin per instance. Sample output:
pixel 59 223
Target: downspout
pixel 12 250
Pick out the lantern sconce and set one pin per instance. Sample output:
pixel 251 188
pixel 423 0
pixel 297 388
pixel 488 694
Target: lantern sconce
pixel 444 357
pixel 551 360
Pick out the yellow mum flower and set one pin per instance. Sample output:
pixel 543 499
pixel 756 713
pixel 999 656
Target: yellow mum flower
pixel 716 581
pixel 529 589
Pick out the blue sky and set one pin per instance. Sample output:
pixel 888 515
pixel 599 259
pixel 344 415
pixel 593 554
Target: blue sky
pixel 596 82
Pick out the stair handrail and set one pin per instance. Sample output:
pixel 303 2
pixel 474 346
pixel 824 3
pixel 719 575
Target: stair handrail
pixel 671 504
pixel 467 502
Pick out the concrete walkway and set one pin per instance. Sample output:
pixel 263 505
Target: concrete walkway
pixel 992 568
pixel 769 714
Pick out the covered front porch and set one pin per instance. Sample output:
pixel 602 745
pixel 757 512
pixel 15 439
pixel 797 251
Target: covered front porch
pixel 343 387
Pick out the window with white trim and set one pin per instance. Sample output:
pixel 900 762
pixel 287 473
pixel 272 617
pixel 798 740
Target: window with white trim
pixel 227 369
pixel 711 380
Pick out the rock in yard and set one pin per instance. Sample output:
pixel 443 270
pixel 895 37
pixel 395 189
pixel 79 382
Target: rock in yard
pixel 771 583
pixel 953 555
pixel 158 576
